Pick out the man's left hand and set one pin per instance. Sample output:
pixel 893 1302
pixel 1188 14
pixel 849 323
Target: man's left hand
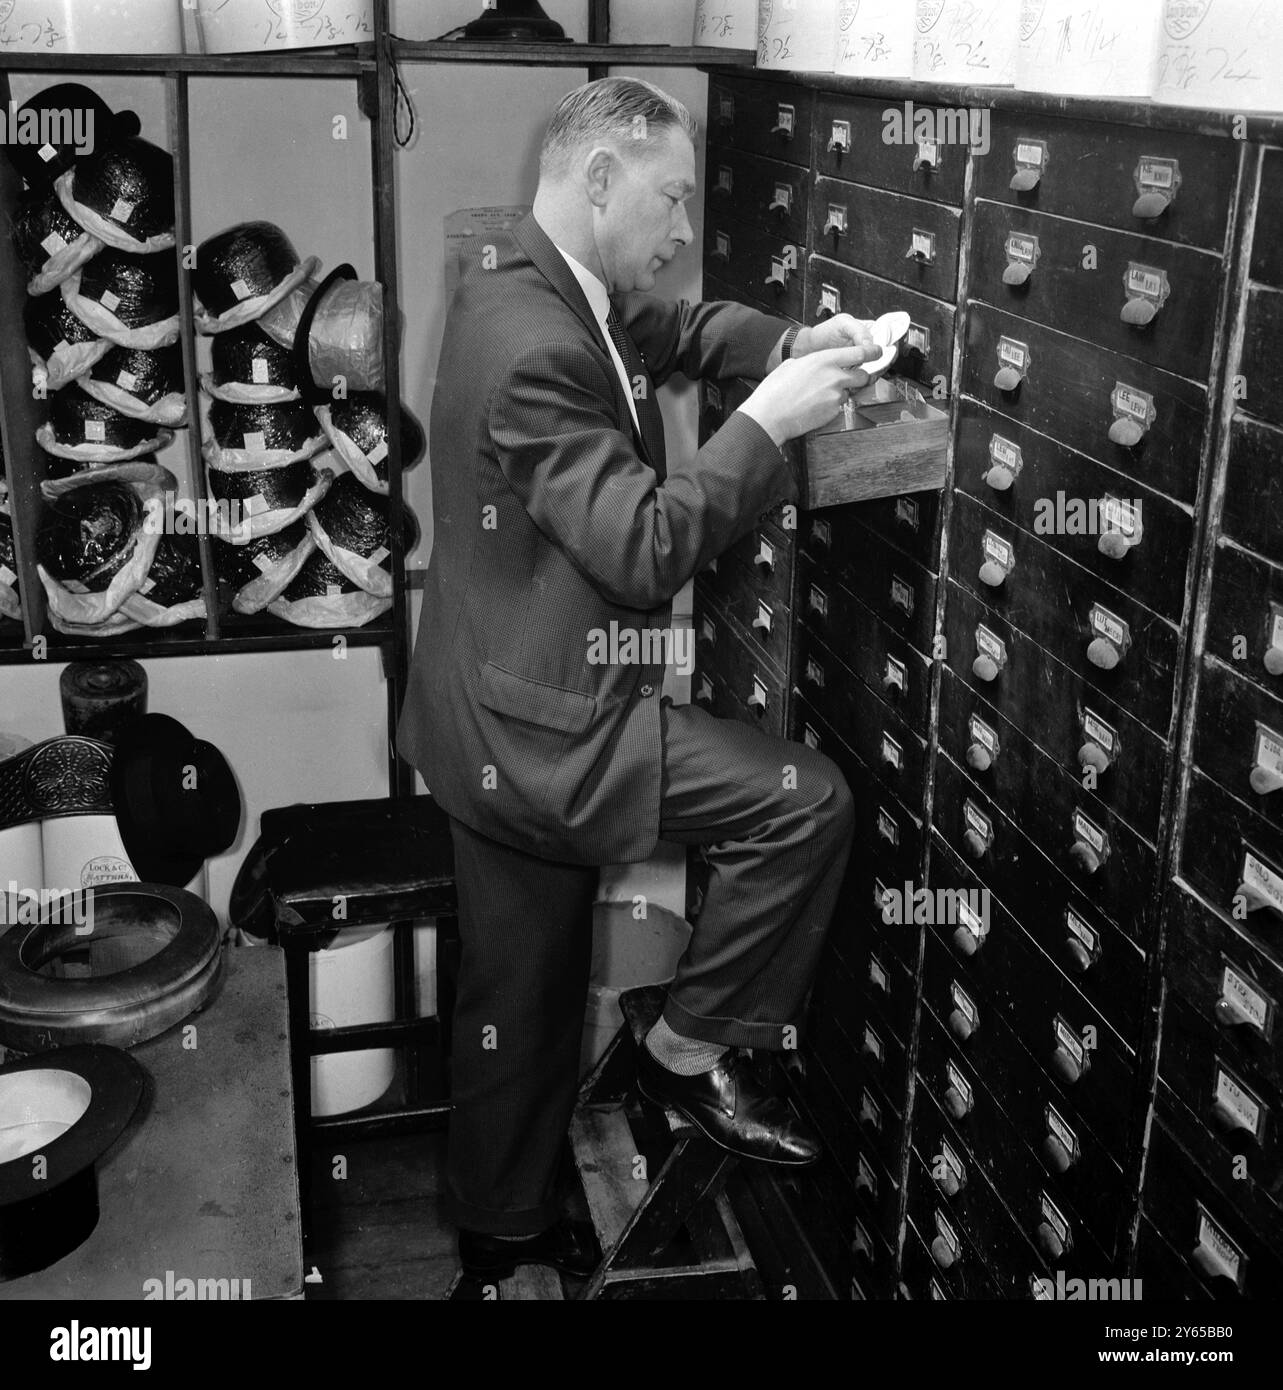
pixel 842 330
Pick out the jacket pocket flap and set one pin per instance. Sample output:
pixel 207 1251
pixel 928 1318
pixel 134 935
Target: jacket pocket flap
pixel 505 692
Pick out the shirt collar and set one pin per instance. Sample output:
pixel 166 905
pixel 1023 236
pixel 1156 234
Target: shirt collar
pixel 594 291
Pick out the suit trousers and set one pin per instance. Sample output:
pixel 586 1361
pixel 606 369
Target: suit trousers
pixel 774 820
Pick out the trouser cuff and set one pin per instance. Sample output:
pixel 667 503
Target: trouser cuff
pixel 733 1032
pixel 500 1223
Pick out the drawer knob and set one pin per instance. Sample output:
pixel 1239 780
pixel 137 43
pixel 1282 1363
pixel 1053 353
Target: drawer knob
pixel 1024 180
pixel 765 557
pixel 1265 780
pixel 984 667
pixel 1066 1066
pixel 1150 205
pixel 1007 379
pixel 1092 755
pixel 757 700
pixel 1126 432
pixel 1212 1270
pixel 1084 858
pixel 1057 1157
pixel 1103 653
pixel 1077 956
pixel 1113 545
pixel 1230 1017
pixel 1274 661
pixel 979 758
pixel 965 941
pixel 960 1025
pixel 1237 1133
pixel 992 574
pixel 1017 273
pixel 958 1105
pixel 1000 477
pixel 951 1183
pixel 1139 312
pixel 943 1253
pixel 1049 1241
pixel 777 279
pixel 975 843
pixel 705 694
pixel 762 623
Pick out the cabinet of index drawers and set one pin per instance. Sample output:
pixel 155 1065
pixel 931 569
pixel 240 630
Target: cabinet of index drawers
pixel 1055 791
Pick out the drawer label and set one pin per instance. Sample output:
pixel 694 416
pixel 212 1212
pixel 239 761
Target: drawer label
pixel 860 1242
pixel 818 601
pixel 906 512
pixel 1069 1040
pixel 1042 1290
pixel 708 630
pixel 1118 514
pixel 1269 750
pixel 1238 1100
pixel 814 672
pixel 1276 625
pixel 779 271
pixel 918 339
pixel 952 1160
pixel 1258 876
pixel 968 917
pixel 902 595
pixel 1057 1126
pixel 1005 454
pixel 726 109
pixel 1079 929
pixel 1032 153
pixel 1106 624
pixel 998 550
pixel 784 117
pixel 865 1176
pixel 928 152
pixel 873 1044
pixel 1156 173
pixel 725 179
pixel 878 976
pixel 891 752
pixel 1054 1217
pixel 830 299
pixel 1013 354
pixel 922 245
pixel 783 198
pixel 1089 833
pixel 977 820
pixel 810 737
pixel 870 1111
pixel 836 221
pixel 705 685
pixel 765 554
pixel 1245 999
pixel 963 1003
pixel 1147 281
pixel 887 827
pixel 1133 404
pixel 982 734
pixel 897 673
pixel 764 618
pixel 947 1232
pixel 821 533
pixel 1023 247
pixel 1099 732
pixel 758 698
pixel 840 136
pixel 953 1077
pixel 882 898
pixel 1224 1253
pixel 722 246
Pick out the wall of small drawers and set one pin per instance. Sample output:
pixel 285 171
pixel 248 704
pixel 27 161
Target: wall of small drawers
pixel 1056 687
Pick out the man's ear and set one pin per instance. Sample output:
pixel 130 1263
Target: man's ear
pixel 600 169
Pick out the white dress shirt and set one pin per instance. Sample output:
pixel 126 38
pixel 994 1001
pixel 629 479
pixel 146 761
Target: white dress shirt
pixel 599 302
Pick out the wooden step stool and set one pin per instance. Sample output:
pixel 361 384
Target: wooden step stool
pixel 637 1221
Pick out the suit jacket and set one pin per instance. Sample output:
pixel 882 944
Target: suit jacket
pixel 550 527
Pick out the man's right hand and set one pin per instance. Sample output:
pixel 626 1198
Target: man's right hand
pixel 807 392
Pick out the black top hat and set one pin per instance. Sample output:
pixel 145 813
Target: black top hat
pixel 48 321
pixel 87 535
pixel 145 373
pixel 286 425
pixel 40 162
pixel 251 262
pixel 176 799
pixel 247 356
pixel 77 418
pixel 137 289
pixel 125 187
pixel 88 1092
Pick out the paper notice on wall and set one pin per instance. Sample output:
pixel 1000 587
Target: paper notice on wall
pixel 1091 48
pixel 462 228
pixel 968 41
pixel 1226 54
pixel 725 23
pixel 875 38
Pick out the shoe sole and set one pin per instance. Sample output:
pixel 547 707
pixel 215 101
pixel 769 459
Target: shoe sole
pixel 721 1144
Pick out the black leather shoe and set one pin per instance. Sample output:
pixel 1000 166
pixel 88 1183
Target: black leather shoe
pixel 730 1106
pixel 568 1246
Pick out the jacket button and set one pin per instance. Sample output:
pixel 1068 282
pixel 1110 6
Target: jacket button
pixel 646 691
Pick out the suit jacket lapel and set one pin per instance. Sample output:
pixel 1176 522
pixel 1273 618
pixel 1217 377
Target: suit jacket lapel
pixel 537 244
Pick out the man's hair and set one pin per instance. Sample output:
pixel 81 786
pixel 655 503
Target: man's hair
pixel 616 110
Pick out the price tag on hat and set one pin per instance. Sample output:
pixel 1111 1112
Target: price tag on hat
pixel 122 210
pixel 258 371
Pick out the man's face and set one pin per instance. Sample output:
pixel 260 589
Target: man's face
pixel 642 223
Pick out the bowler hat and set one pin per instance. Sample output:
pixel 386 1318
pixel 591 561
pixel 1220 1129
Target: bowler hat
pixel 41 163
pixel 175 796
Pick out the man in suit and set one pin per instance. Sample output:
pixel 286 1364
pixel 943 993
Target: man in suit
pixel 559 519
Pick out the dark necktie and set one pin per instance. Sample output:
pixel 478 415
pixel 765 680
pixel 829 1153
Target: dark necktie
pixel 649 416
